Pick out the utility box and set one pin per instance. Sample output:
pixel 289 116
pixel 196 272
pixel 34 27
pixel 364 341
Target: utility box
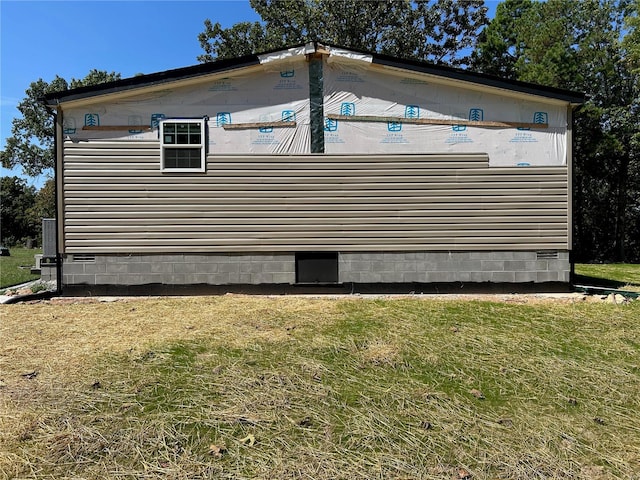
pixel 49 238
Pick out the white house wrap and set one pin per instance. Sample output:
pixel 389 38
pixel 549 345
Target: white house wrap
pixel 363 90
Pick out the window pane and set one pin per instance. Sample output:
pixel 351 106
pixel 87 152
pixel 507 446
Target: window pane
pixel 170 159
pixel 182 158
pixel 194 159
pixel 182 133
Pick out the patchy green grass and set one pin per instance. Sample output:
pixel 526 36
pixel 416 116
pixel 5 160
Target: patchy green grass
pixel 288 387
pixel 10 271
pixel 616 275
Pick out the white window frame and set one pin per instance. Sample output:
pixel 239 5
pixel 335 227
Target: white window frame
pixel 167 146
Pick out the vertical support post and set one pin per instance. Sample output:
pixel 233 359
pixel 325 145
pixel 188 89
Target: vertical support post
pixel 316 100
pixel 570 183
pixel 58 143
pixel 570 172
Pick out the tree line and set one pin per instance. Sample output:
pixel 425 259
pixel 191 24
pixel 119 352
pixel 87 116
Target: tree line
pixel 590 46
pixel 22 210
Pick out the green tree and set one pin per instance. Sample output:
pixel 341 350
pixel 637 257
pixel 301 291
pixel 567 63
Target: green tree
pixel 45 201
pixel 632 39
pixel 440 31
pixel 581 45
pixel 500 45
pixel 32 134
pixel 16 221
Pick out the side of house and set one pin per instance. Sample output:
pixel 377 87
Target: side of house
pixel 314 164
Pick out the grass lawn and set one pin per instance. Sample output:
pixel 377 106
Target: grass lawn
pixel 288 387
pixel 10 271
pixel 619 275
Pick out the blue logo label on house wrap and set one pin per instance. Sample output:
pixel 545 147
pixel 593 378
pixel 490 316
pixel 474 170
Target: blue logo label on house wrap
pixel 541 117
pixel 69 126
pixel 538 117
pixel 458 128
pixel 287 73
pixel 288 116
pixel 156 118
pixel 91 120
pixel 330 125
pixel 476 115
pixel 265 118
pixel 348 109
pixel 412 111
pixel 222 119
pixel 394 126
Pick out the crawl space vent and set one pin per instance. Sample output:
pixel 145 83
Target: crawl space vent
pixel 547 255
pixel 84 258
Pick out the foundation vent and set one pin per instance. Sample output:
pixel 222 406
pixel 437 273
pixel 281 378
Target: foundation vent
pixel 547 255
pixel 84 258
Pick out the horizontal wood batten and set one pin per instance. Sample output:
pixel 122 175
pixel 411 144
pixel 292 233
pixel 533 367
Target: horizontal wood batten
pixel 107 128
pixel 437 121
pixel 244 126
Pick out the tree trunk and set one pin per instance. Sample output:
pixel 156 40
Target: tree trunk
pixel 621 209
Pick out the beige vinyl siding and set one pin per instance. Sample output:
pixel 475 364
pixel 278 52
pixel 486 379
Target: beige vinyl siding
pixel 118 201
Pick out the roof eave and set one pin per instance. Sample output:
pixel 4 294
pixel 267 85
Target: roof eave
pixel 150 80
pixel 574 98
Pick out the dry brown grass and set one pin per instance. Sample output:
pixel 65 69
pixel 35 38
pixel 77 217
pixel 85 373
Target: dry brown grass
pixel 295 387
pixel 59 337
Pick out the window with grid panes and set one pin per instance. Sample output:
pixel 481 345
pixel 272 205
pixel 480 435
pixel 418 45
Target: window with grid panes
pixel 182 143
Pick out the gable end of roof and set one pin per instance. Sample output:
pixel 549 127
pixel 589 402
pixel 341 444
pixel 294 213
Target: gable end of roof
pixel 229 65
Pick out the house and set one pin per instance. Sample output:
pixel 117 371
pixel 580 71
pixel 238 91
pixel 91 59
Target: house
pixel 314 164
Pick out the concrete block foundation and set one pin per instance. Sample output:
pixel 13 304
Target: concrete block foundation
pixel 280 268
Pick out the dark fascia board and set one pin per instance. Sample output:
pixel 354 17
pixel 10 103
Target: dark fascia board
pixel 220 66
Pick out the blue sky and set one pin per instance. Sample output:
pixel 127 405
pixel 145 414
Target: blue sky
pixel 42 39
